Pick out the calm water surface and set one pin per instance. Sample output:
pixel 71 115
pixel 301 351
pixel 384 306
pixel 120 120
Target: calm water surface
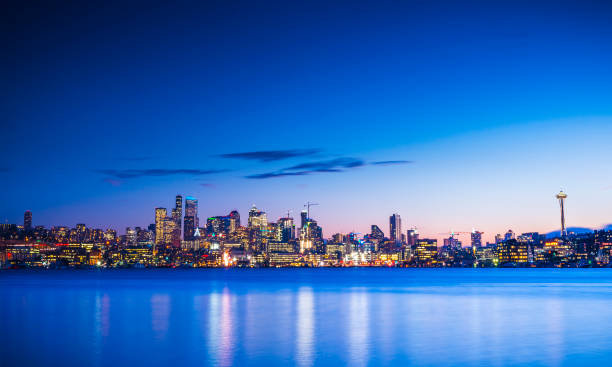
pixel 306 317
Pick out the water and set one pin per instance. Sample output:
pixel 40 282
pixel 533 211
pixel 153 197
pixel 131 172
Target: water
pixel 305 317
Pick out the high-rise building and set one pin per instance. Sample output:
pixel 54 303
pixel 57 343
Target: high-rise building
pixel 304 218
pixel 189 227
pixel 191 217
pixel 218 225
pixel 377 234
pixel 395 228
pixel 169 230
pixel 311 235
pixel 476 238
pixel 509 235
pixel 130 236
pixel 81 232
pixel 452 242
pixel 412 235
pixel 257 219
pixel 339 238
pixel 177 214
pixel 27 220
pixel 234 217
pixel 286 229
pixel 160 217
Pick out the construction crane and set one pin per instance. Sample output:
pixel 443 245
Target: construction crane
pixel 307 206
pixel 453 233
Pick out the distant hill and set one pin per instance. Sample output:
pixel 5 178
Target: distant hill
pixel 554 234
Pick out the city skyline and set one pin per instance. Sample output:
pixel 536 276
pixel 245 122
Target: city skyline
pixel 225 241
pixel 176 232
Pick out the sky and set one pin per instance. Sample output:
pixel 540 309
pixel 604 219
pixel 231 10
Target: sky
pixel 456 115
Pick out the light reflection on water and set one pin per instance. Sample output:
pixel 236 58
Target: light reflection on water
pixel 305 327
pixel 355 317
pixel 358 328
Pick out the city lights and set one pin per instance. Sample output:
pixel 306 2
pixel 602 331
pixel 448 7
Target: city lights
pixel 223 241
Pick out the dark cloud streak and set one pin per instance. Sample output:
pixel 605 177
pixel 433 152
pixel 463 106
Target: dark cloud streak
pixel 270 155
pixel 390 163
pixel 334 164
pixel 278 174
pixel 329 166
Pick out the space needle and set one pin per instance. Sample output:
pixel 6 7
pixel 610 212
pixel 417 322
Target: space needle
pixel 562 196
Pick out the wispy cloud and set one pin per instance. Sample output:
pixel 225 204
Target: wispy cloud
pixel 390 163
pixel 278 174
pixel 208 185
pixel 157 172
pixel 271 155
pixel 333 165
pixel 328 166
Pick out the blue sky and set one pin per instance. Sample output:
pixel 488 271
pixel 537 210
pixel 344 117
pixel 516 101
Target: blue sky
pixel 110 110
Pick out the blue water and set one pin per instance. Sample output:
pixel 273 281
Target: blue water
pixel 305 317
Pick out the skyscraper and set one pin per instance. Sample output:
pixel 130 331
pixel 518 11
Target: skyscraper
pixel 190 228
pixel 286 229
pixel 234 221
pixel 395 228
pixel 130 236
pixel 476 238
pixel 160 217
pixel 27 220
pixel 303 218
pixel 562 196
pixel 191 217
pixel 169 230
pixel 177 214
pixel 257 218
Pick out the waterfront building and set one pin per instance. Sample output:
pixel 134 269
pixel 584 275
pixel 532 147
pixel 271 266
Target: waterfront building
pixel 426 251
pixel 512 252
